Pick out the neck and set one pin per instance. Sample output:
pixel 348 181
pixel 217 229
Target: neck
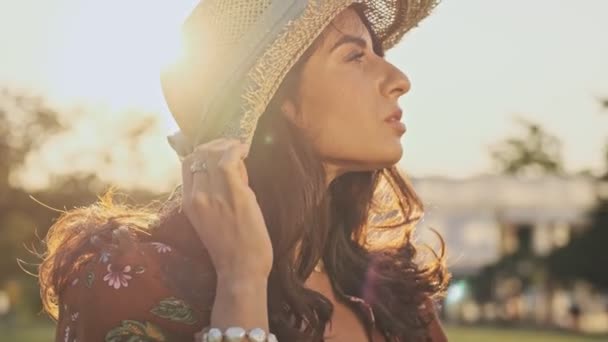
pixel 332 172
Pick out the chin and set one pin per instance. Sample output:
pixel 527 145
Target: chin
pixel 390 162
pixel 389 157
pixel 394 154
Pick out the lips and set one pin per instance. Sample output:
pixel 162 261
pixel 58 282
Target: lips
pixel 394 121
pixel 395 116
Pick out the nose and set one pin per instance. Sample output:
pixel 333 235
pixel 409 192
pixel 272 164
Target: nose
pixel 397 83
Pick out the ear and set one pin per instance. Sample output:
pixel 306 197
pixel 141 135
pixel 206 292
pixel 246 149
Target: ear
pixel 290 110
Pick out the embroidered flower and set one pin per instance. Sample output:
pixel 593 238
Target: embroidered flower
pixel 74 316
pixel 116 279
pixel 140 269
pixel 67 334
pixel 136 331
pixel 161 247
pixel 95 241
pixel 104 257
pixel 90 278
pixel 176 310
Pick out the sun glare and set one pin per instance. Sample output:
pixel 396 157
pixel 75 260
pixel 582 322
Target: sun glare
pixel 112 52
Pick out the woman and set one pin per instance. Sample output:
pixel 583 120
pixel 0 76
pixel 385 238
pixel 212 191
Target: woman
pixel 292 218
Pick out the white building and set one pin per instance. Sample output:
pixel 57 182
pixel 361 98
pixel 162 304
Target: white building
pixel 485 217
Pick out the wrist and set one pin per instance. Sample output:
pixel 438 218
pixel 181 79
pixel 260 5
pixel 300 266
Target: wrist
pixel 238 285
pixel 240 302
pixel 241 276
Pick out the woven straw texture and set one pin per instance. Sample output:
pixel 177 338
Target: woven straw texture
pixel 238 52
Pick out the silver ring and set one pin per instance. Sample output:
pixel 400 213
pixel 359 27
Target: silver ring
pixel 198 166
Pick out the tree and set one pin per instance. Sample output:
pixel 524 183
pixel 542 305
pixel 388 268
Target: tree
pixel 27 123
pixel 604 103
pixel 537 152
pixel 585 256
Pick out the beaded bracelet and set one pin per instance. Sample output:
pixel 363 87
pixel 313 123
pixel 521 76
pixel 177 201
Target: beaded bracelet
pixel 238 334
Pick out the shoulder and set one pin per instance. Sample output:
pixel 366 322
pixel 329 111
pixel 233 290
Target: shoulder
pixel 135 287
pixel 108 275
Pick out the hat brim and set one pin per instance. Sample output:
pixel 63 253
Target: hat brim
pixel 235 114
pixel 391 19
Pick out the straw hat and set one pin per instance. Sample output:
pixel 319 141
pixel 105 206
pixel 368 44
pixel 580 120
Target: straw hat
pixel 237 52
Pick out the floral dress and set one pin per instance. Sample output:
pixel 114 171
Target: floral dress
pixel 137 285
pixel 145 290
pixel 132 295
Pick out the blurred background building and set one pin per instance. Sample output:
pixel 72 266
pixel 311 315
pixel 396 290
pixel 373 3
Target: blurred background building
pixel 502 233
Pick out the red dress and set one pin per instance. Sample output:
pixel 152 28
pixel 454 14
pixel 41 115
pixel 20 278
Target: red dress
pixel 133 286
pixel 138 287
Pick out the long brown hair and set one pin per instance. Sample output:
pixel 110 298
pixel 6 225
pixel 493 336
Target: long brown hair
pixel 346 226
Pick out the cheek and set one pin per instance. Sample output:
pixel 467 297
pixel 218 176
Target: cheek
pixel 350 129
pixel 342 100
pixel 342 119
pixel 339 113
pixel 338 105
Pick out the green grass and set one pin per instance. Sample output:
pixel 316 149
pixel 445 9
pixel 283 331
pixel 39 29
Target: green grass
pixel 44 332
pixel 37 332
pixel 477 334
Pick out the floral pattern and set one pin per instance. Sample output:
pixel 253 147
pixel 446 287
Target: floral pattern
pixel 140 269
pixel 134 331
pixel 104 257
pixel 118 279
pixel 161 247
pixel 176 310
pixel 66 337
pixel 167 303
pixel 90 278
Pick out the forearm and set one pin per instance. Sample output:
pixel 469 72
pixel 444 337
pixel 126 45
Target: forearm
pixel 240 302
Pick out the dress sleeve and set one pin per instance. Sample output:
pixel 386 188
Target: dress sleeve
pixel 146 291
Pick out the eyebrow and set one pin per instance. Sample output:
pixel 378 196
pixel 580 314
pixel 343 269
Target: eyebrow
pixel 348 39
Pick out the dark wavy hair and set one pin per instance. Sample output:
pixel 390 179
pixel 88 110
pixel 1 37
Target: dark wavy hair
pixel 361 227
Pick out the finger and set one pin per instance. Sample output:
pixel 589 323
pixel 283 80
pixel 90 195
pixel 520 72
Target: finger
pixel 232 166
pixel 201 179
pixel 187 176
pixel 211 153
pixel 213 150
pixel 215 145
pixel 211 181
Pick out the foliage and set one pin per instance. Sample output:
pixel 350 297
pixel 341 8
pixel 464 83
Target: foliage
pixel 585 256
pixel 537 152
pixel 27 123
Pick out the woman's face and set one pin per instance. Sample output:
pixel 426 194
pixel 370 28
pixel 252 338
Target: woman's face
pixel 346 98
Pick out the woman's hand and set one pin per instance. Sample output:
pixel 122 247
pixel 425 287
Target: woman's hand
pixel 224 211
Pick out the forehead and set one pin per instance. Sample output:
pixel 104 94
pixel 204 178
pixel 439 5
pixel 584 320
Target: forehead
pixel 348 19
pixel 348 22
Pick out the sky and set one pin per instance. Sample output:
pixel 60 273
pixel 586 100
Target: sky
pixel 474 65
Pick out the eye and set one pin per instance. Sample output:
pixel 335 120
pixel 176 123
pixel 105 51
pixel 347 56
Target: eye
pixel 356 57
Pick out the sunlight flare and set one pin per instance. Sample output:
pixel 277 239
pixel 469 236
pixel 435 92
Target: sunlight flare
pixel 114 52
